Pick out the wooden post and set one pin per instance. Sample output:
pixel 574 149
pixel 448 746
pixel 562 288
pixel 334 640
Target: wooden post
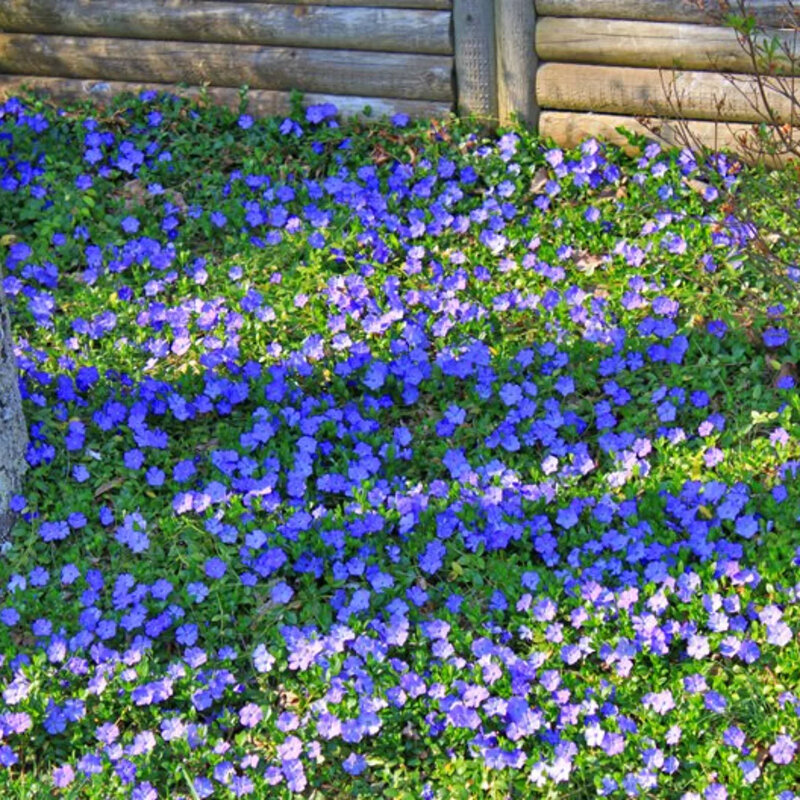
pixel 515 22
pixel 475 59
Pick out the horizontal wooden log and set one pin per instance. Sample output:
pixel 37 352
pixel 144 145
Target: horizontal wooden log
pixel 569 128
pixel 774 13
pixel 260 102
pixel 410 76
pixel 382 29
pixel 649 44
pixel 651 92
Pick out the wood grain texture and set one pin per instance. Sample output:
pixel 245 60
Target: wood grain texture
pixel 13 429
pixel 260 102
pixel 651 92
pixel 647 44
pixel 430 4
pixel 475 57
pixel 569 128
pixel 382 29
pixel 515 22
pixel 774 13
pixel 401 75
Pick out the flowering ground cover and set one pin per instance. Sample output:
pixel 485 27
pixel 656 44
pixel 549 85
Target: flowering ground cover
pixel 386 459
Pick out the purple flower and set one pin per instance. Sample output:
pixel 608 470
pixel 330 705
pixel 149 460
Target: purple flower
pixel 215 568
pixel 747 526
pixel 144 791
pixel 660 702
pixel 779 437
pixel 130 224
pixel 779 634
pixel 8 758
pixel 107 733
pixel 183 470
pixel 54 531
pixel 263 660
pixel 430 561
pixel 783 750
pixel 63 776
pixel 172 728
pixel 461 716
pixel 715 702
pixel 290 748
pixel 715 791
pixel 697 647
pixel 775 337
pixel 250 715
pixel 281 593
pixel 713 456
pixel 717 327
pixel 354 764
pixel 155 476
pixel 750 771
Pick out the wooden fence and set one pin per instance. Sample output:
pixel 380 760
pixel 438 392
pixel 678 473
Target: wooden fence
pixel 571 68
pixel 393 55
pixel 607 62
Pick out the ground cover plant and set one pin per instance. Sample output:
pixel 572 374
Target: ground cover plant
pixel 392 459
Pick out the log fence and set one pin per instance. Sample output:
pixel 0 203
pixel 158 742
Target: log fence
pixel 569 68
pixel 391 55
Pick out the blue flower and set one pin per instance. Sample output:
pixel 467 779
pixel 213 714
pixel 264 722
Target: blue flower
pixel 775 337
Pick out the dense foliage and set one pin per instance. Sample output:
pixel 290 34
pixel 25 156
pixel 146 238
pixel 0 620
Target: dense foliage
pixel 385 459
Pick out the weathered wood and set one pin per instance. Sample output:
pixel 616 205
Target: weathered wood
pixel 648 44
pixel 475 57
pixel 430 4
pixel 383 29
pixel 13 430
pixel 410 76
pixel 774 13
pixel 569 128
pixel 261 102
pixel 650 92
pixel 514 22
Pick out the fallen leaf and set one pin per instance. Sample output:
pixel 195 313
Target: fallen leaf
pixel 587 262
pixel 539 181
pixel 696 185
pixel 108 486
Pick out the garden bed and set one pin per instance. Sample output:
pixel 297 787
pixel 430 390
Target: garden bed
pixel 384 459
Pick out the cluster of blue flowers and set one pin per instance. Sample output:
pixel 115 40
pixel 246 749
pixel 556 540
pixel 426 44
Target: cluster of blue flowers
pixel 400 483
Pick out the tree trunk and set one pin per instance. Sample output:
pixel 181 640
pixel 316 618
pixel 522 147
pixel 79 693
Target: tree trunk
pixel 13 431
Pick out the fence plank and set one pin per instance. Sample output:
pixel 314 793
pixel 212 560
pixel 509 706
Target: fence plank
pixel 260 102
pixel 569 128
pixel 475 58
pixel 410 76
pixel 651 92
pixel 383 29
pixel 774 13
pixel 515 21
pixel 647 44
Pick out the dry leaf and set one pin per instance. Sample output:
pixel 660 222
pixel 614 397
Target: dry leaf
pixel 617 192
pixel 288 699
pixel 108 486
pixel 588 262
pixel 696 185
pixel 540 178
pixel 135 195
